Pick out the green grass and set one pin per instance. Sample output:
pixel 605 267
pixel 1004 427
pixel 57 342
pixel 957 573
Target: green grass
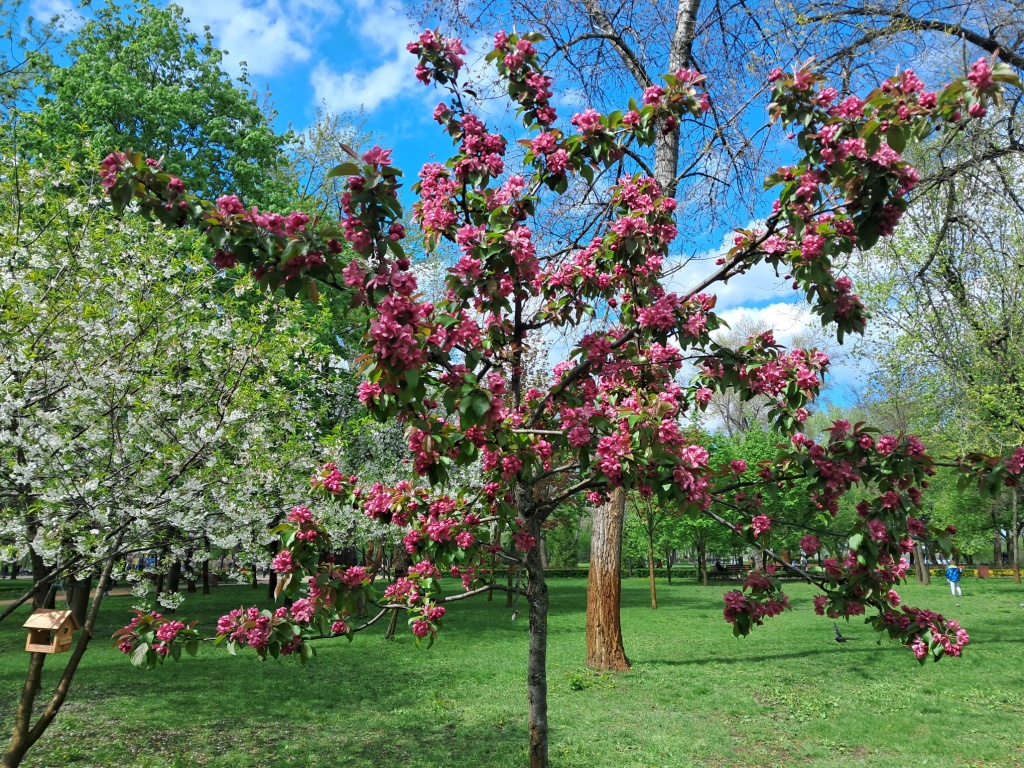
pixel 786 696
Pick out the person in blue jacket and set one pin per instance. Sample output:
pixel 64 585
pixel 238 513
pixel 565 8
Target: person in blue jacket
pixel 953 574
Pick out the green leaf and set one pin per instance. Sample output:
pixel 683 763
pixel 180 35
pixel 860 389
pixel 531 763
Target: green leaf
pixel 138 656
pixel 345 169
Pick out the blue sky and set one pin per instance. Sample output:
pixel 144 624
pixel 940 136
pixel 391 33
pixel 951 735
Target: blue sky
pixel 349 57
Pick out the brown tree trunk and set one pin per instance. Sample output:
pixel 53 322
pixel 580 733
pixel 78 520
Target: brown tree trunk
pixel 78 598
pixel 668 565
pixel 923 576
pixel 650 570
pixel 997 549
pixel 537 660
pixel 389 633
pixel 174 577
pixel 206 577
pixel 702 562
pixel 605 650
pixel 1015 531
pixel 45 591
pixel 25 734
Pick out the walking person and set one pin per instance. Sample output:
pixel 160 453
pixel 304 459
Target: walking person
pixel 953 574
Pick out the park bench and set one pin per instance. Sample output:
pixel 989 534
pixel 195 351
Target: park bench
pixel 730 571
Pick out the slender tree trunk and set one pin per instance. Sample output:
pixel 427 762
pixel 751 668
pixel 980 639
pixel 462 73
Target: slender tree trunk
pixel 537 661
pixel 272 585
pixel 605 650
pixel 206 577
pixel 923 575
pixel 45 589
pixel 650 570
pixel 997 549
pixel 702 562
pixel 19 745
pixel 78 598
pixel 668 565
pixel 1015 530
pixel 24 734
pixel 389 633
pixel 494 576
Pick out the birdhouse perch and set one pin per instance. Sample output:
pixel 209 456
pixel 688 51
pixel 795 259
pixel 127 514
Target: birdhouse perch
pixel 50 630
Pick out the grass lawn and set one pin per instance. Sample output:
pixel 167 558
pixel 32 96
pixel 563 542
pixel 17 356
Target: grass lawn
pixel 786 696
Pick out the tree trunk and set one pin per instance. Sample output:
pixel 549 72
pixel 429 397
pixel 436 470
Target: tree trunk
pixel 537 661
pixel 668 565
pixel 650 570
pixel 206 577
pixel 19 743
pixel 24 736
pixel 923 576
pixel 494 576
pixel 702 562
pixel 1015 530
pixel 174 577
pixel 389 633
pixel 272 585
pixel 997 549
pixel 78 598
pixel 605 650
pixel 666 150
pixel 44 595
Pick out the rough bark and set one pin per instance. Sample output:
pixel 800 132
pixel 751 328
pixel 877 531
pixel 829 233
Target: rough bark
pixel 605 649
pixel 997 549
pixel 206 577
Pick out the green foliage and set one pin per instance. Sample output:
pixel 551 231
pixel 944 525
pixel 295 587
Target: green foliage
pixel 136 78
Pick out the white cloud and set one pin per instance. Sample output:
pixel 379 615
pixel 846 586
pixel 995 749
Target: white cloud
pixel 45 10
pixel 387 29
pixel 785 319
pixel 268 35
pixel 347 91
pixel 758 285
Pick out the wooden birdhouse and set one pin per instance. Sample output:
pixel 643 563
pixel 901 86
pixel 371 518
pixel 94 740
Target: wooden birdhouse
pixel 50 630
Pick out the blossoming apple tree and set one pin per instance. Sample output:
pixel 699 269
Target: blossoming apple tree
pixel 611 415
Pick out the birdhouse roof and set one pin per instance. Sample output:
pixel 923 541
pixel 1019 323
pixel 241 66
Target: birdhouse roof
pixel 50 618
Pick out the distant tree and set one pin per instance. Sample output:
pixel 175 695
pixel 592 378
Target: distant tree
pixel 134 76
